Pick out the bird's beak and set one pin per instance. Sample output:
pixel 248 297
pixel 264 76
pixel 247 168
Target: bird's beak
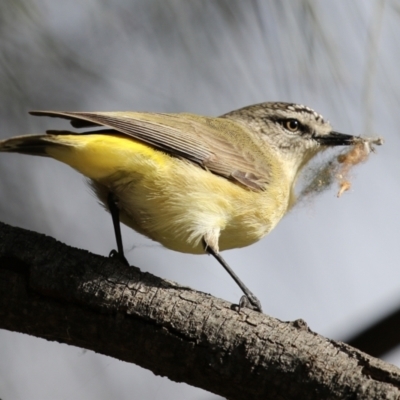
pixel 336 139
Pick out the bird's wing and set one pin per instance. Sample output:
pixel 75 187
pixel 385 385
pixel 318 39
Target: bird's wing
pixel 219 145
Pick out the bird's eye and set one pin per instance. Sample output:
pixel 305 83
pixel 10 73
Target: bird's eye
pixel 292 125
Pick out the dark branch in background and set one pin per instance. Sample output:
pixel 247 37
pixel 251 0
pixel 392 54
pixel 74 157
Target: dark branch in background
pixel 56 292
pixel 380 337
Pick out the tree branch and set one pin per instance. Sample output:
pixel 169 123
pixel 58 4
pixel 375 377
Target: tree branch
pixel 59 293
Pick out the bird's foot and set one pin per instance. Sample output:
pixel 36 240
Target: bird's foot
pixel 250 301
pixel 115 255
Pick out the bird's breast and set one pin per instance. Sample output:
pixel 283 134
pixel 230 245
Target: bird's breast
pixel 177 203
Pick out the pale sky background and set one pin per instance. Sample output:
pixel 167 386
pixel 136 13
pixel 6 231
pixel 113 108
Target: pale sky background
pixel 333 262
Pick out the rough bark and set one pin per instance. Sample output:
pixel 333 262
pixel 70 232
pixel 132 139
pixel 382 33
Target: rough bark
pixel 59 293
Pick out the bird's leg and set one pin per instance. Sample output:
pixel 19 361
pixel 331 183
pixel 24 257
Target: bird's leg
pixel 114 211
pixel 249 300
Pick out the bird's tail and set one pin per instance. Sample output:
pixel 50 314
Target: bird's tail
pixel 95 154
pixel 35 145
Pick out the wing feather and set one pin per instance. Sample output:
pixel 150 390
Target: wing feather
pixel 202 140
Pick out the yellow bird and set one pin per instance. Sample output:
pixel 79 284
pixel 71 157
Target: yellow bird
pixel 194 184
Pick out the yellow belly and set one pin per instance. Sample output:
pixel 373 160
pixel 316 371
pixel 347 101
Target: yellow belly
pixel 171 200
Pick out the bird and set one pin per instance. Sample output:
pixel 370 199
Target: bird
pixel 193 183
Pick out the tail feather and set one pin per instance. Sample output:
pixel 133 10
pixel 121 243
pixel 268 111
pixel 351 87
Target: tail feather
pixel 34 145
pixel 37 145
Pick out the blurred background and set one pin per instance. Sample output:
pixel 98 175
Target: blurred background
pixel 333 262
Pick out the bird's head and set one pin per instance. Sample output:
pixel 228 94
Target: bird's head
pixel 295 132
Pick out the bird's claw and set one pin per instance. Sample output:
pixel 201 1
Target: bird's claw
pixel 250 302
pixel 115 255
